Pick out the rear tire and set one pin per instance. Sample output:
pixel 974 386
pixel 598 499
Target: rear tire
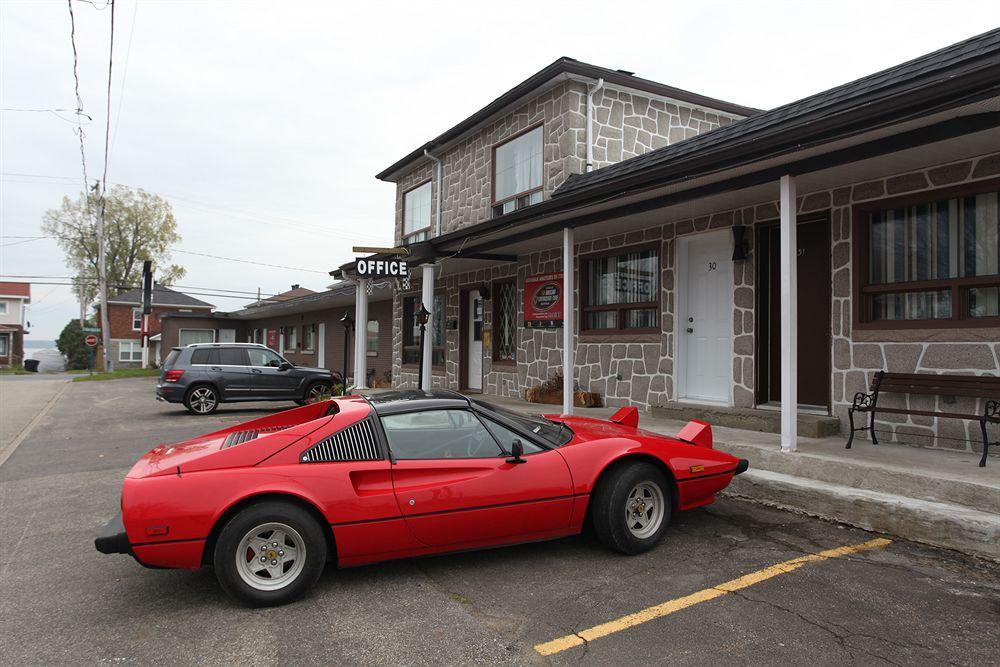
pixel 202 399
pixel 317 391
pixel 289 541
pixel 630 507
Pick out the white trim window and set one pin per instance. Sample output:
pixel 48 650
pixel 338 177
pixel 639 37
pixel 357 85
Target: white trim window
pixel 130 350
pixel 4 344
pixel 417 214
pixel 371 338
pixel 190 336
pixel 3 307
pixel 308 337
pixel 291 338
pixel 517 173
pixel 137 319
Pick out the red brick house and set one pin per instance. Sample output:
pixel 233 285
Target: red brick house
pixel 125 320
pixel 14 297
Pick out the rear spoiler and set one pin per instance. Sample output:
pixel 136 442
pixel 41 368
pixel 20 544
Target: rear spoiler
pixel 628 416
pixel 696 432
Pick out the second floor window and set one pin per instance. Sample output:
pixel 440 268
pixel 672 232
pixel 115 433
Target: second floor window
pixel 137 319
pixel 517 173
pixel 417 214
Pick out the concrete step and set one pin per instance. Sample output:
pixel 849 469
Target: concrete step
pixel 750 419
pixel 936 523
pixel 898 469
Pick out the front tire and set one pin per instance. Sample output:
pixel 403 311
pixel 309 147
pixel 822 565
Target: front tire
pixel 202 399
pixel 630 508
pixel 270 553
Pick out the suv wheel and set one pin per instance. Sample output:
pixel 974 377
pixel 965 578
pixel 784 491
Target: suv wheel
pixel 202 400
pixel 317 391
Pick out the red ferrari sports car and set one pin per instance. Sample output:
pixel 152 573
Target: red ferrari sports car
pixel 401 473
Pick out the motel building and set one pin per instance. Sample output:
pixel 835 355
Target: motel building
pixel 672 251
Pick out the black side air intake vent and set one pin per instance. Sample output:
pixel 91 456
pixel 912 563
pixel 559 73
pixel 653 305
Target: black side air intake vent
pixel 239 437
pixel 354 443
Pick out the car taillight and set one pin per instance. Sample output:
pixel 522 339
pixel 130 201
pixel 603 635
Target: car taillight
pixel 172 375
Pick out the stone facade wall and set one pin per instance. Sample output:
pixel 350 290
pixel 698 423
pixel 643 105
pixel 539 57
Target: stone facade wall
pixel 626 124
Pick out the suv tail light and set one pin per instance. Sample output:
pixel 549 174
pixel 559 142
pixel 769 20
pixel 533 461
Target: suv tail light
pixel 172 375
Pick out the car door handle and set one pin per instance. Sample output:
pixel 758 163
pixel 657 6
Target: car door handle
pixel 216 368
pixel 255 370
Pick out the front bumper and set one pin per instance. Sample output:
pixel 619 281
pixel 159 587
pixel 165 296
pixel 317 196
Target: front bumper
pixel 113 539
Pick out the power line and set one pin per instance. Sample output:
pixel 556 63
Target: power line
pixel 79 100
pixel 121 96
pixel 247 261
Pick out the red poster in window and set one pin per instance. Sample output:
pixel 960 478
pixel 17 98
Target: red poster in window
pixel 543 302
pixel 272 338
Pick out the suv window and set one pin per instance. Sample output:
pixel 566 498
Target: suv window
pixel 260 356
pixel 205 356
pixel 168 363
pixel 232 356
pixel 439 434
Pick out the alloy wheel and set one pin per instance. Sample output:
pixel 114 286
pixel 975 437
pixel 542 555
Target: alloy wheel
pixel 644 509
pixel 270 556
pixel 203 400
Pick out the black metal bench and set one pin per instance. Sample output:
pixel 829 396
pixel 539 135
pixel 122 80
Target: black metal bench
pixel 969 386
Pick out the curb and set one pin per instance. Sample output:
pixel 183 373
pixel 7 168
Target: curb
pixel 936 523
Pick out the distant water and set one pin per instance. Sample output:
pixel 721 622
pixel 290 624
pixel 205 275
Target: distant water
pixel 33 343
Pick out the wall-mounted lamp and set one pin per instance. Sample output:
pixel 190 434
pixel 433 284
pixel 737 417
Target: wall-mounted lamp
pixel 741 246
pixel 484 291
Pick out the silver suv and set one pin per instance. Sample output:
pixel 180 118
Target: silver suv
pixel 203 375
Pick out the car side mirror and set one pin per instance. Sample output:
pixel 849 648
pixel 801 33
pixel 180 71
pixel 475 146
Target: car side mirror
pixel 285 366
pixel 516 450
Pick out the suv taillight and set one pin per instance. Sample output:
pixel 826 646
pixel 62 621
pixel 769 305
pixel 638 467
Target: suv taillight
pixel 172 375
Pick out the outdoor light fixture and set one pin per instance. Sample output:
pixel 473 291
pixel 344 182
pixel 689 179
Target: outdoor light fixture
pixel 423 315
pixel 484 291
pixel 740 244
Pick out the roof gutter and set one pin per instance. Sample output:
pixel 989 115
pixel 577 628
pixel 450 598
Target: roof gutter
pixel 591 91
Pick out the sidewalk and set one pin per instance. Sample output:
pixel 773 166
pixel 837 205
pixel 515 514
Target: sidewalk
pixel 932 496
pixel 22 399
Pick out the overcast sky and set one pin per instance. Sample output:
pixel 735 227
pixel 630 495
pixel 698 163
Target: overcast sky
pixel 263 124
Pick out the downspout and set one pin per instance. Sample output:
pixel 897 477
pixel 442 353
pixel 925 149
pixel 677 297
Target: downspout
pixel 437 177
pixel 591 91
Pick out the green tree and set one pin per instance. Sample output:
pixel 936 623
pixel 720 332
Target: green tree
pixel 137 226
pixel 71 344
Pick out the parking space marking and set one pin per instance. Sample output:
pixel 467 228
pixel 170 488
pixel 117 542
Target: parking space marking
pixel 677 604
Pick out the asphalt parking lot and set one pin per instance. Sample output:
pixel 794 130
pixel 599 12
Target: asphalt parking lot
pixel 563 601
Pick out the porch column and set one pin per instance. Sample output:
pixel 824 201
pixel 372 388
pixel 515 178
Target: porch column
pixel 789 317
pixel 321 345
pixel 568 350
pixel 427 297
pixel 360 327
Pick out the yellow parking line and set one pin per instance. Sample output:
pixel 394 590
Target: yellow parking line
pixel 670 606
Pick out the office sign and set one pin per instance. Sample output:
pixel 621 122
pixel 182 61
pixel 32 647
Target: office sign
pixel 543 302
pixel 381 268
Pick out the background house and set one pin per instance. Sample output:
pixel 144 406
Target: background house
pixel 14 297
pixel 125 321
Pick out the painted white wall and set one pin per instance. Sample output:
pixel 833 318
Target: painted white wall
pixel 15 311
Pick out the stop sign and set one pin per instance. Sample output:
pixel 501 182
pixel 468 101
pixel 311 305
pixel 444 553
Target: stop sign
pixel 91 340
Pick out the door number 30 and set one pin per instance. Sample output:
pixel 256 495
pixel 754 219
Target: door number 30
pixel 712 266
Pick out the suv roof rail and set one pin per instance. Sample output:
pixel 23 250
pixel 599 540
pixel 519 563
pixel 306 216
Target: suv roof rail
pixel 216 344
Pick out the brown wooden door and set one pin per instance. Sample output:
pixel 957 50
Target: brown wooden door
pixel 814 285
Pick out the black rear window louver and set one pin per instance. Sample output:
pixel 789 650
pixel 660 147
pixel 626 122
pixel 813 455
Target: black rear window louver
pixel 239 437
pixel 355 443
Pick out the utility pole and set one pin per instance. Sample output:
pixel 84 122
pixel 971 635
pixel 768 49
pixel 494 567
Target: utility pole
pixel 102 289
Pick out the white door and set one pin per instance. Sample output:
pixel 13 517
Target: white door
pixel 321 345
pixel 475 342
pixel 705 326
pixel 227 335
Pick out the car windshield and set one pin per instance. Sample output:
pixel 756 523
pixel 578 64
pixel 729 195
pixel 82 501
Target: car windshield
pixel 554 433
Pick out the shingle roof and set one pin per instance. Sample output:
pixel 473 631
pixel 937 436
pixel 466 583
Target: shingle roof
pixel 977 52
pixel 15 289
pixel 162 296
